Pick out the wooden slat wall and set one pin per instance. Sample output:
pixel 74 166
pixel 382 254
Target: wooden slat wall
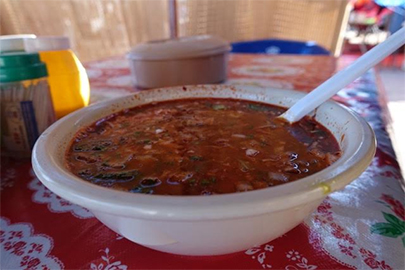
pixel 104 28
pixel 97 28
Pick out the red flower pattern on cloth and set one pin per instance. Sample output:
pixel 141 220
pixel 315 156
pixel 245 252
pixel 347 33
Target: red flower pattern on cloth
pixel 326 217
pixel 396 206
pixel 107 262
pixel 30 263
pixel 260 253
pixel 348 250
pixel 55 203
pixel 372 262
pixel 338 232
pixel 391 174
pixel 393 225
pixel 347 245
pixel 8 180
pixel 21 249
pixel 299 260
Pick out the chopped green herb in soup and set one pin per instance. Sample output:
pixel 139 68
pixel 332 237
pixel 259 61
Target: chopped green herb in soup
pixel 199 147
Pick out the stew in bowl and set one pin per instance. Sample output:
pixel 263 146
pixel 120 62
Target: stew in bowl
pixel 143 164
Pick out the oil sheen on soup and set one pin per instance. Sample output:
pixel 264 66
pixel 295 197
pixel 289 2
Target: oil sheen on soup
pixel 199 147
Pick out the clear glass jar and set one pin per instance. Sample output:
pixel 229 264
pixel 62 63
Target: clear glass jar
pixel 26 104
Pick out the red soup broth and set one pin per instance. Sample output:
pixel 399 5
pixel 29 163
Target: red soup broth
pixel 199 147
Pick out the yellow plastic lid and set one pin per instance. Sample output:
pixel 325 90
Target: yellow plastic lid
pixel 179 48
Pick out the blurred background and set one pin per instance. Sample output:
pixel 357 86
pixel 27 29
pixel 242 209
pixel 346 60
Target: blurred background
pixel 103 28
pixel 100 29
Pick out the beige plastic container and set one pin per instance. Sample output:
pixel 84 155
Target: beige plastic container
pixel 181 61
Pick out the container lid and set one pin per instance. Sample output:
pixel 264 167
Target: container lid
pixel 47 43
pixel 178 48
pixel 21 66
pixel 13 43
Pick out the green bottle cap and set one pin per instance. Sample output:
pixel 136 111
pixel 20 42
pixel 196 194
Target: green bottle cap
pixel 20 66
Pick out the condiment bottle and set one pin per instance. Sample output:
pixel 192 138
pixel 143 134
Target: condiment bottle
pixel 68 80
pixel 26 105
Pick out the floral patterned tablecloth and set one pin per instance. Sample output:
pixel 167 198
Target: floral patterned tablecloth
pixel 359 227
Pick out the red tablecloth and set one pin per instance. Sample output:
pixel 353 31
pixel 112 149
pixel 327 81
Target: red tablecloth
pixel 360 227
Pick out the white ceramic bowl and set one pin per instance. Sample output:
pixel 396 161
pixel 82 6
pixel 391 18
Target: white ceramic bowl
pixel 205 225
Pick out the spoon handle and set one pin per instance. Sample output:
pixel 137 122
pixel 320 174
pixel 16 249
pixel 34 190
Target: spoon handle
pixel 331 86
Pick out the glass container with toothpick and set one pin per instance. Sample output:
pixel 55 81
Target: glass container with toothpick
pixel 26 104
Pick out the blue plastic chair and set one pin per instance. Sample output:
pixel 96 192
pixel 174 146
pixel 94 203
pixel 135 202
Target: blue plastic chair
pixel 278 46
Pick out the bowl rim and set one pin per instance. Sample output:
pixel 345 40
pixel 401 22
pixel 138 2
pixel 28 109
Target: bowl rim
pixel 164 207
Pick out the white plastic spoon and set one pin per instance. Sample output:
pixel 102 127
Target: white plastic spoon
pixel 341 79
